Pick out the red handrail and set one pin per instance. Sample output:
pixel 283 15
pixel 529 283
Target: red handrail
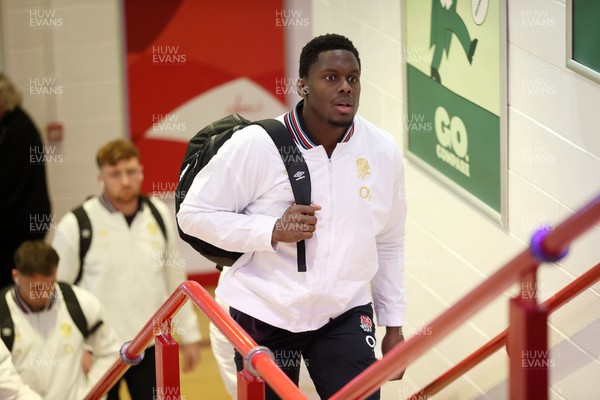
pixel 261 362
pixel 562 297
pixel 554 243
pixel 397 359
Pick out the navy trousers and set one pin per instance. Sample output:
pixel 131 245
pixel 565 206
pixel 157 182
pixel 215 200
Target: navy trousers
pixel 334 354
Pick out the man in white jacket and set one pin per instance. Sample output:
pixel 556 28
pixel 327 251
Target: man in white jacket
pixel 11 384
pixel 132 264
pixel 47 344
pixel 242 201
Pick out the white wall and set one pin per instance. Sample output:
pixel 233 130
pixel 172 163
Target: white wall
pixel 554 167
pixel 74 49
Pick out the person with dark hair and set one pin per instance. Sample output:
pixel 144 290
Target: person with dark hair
pixel 24 203
pixel 45 336
pixel 354 229
pixel 132 264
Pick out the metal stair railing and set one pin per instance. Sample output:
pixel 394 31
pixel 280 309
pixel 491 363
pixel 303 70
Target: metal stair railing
pixel 258 362
pixel 527 334
pixel 562 297
pixel 527 330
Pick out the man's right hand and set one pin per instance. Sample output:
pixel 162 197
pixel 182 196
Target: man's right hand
pixel 87 361
pixel 297 223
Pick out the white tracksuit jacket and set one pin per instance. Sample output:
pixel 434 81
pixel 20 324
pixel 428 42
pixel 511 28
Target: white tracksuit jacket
pixel 48 347
pixel 11 384
pixel 131 269
pixel 236 199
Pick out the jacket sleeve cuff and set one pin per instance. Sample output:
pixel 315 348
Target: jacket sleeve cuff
pixel 263 233
pixel 389 316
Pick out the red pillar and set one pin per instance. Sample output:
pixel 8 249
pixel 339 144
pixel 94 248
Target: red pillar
pixel 167 366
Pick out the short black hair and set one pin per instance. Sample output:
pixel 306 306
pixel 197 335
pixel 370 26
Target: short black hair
pixel 330 41
pixel 36 258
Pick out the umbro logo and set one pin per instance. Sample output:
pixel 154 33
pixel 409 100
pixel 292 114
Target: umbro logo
pixel 299 175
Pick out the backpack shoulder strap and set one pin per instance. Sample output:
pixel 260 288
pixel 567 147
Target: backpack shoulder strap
pixel 156 215
pixel 7 329
pixel 85 237
pixel 297 171
pixel 75 310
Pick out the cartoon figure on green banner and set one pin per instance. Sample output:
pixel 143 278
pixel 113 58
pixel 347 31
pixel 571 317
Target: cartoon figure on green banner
pixel 444 23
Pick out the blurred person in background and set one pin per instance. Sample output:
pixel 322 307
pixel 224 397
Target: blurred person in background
pixel 11 385
pixel 24 201
pixel 132 264
pixel 45 336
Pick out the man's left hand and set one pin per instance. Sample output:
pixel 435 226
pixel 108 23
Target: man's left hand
pixel 393 337
pixel 191 355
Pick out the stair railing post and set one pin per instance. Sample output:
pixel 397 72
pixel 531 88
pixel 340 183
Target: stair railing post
pixel 527 343
pixel 167 364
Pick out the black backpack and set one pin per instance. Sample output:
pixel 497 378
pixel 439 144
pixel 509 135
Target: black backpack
pixel 7 329
pixel 205 144
pixel 85 230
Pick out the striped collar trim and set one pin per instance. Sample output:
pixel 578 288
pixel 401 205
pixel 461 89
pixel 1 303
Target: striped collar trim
pixel 104 201
pixel 108 205
pixel 292 122
pixel 25 307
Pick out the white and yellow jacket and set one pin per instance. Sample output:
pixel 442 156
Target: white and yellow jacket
pixel 48 347
pixel 358 245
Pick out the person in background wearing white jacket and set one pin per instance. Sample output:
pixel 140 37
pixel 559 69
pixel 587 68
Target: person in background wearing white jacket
pixel 11 385
pixel 132 265
pixel 48 345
